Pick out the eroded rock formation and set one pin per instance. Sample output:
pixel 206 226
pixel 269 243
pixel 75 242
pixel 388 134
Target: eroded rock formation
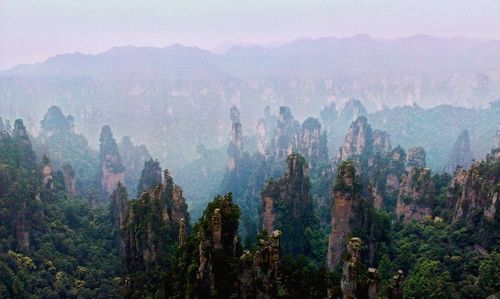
pixel 151 225
pixel 348 282
pixel 286 129
pixel 416 157
pixel 416 194
pixel 47 177
pixel 112 170
pixel 395 289
pixel 69 179
pixel 264 132
pixel 218 247
pixel 474 193
pixel 461 154
pixel 235 148
pixel 286 204
pixel 311 143
pixel 358 141
pixel 133 158
pixel 345 203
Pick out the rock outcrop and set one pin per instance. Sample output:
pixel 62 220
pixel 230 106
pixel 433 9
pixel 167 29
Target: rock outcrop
pixel 352 110
pixel 150 176
pixel 286 204
pixel 373 283
pixel 358 142
pixel 461 154
pixel 47 177
pixel 416 194
pixel 69 180
pixel 345 203
pixel 415 158
pixel 267 262
pixel 151 226
pixel 119 211
pixel 54 122
pixel 381 142
pixel 474 193
pixel 286 129
pixel 218 248
pixel 350 270
pixel 235 148
pixel 395 289
pixel 133 158
pixel 311 143
pixel 112 170
pixel 395 170
pixel 264 132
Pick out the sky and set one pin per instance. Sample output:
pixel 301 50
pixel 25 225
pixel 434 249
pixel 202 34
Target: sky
pixel 32 31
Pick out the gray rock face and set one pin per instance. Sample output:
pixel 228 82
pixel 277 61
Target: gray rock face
pixel 235 148
pixel 461 154
pixel 416 194
pixel 264 133
pixel 311 143
pixel 415 157
pixel 286 129
pixel 381 142
pixel 358 140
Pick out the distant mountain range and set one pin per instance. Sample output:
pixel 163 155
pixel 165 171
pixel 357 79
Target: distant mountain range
pixel 167 92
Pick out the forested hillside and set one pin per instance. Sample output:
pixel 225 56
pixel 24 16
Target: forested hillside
pixel 284 217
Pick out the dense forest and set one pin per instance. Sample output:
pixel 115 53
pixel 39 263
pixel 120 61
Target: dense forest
pixel 324 208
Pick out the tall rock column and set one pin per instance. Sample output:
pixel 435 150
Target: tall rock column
pixel 344 211
pixel 461 154
pixel 416 194
pixel 287 206
pixel 286 129
pixel 112 170
pixel 236 143
pixel 416 158
pixel 311 143
pixel 348 283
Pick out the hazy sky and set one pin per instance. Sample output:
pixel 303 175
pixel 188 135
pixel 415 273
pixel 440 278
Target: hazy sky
pixel 31 31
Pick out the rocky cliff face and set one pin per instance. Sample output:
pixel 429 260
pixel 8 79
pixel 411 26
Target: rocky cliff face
pixel 25 195
pixel 264 132
pixel 395 289
pixel 345 202
pixel 352 110
pixel 311 143
pixel 47 177
pixel 461 154
pixel 119 211
pixel 112 170
pixel 416 194
pixel 395 170
pixel 286 129
pixel 474 193
pixel 235 148
pixel 218 248
pixel 150 176
pixel 151 226
pixel 54 122
pixel 69 180
pixel 286 204
pixel 358 141
pixel 260 273
pixel 416 157
pixel 381 142
pixel 350 270
pixel 133 158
